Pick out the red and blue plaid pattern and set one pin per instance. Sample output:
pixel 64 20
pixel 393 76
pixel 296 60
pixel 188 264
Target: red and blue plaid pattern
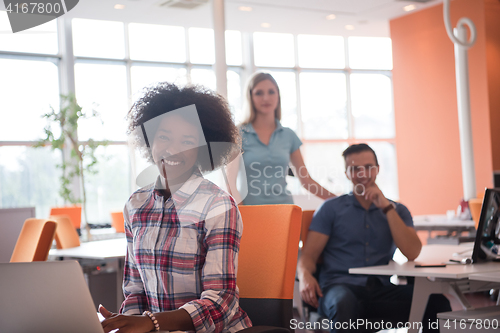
pixel 183 253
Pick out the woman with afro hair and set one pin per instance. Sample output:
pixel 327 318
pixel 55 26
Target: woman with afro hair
pixel 183 232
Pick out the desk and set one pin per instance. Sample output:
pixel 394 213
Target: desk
pixel 109 254
pixel 104 234
pixel 452 279
pixel 453 227
pixel 490 277
pixel 103 249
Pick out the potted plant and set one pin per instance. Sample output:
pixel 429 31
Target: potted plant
pixel 78 158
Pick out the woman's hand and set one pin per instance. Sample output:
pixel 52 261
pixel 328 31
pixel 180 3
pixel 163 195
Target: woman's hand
pixel 125 323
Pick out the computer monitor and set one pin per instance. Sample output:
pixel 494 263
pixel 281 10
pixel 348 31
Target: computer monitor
pixel 11 223
pixel 487 244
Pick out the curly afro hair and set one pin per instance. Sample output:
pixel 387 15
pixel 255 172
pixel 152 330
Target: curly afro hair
pixel 213 112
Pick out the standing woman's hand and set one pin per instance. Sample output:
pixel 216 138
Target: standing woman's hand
pixel 125 323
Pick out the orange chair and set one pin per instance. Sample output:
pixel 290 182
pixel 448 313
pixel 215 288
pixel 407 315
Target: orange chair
pixel 267 261
pixel 307 216
pixel 66 235
pixel 307 311
pixel 475 206
pixel 118 222
pixel 73 212
pixel 34 241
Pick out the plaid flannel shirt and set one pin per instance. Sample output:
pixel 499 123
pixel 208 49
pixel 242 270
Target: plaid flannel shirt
pixel 183 253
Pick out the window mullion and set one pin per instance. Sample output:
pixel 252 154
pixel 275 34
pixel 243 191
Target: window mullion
pixel 297 88
pixel 350 118
pixel 128 72
pixel 67 84
pixel 128 64
pixel 67 64
pixel 248 60
pixel 189 65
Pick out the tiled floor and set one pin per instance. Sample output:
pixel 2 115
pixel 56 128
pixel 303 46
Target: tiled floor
pixel 480 299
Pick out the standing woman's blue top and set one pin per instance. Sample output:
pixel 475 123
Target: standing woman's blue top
pixel 267 165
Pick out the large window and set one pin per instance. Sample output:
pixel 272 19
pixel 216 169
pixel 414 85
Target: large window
pixel 29 86
pixel 41 39
pixel 323 105
pixel 29 178
pixel 113 62
pixel 157 42
pixel 109 80
pixel 335 91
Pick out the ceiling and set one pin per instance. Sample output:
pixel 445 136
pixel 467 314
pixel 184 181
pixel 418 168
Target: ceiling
pixel 368 17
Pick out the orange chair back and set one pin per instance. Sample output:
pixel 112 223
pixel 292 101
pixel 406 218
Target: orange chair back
pixel 117 221
pixel 268 251
pixel 34 241
pixel 66 235
pixel 307 216
pixel 73 212
pixel 475 206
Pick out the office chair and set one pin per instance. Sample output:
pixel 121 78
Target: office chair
pixel 308 312
pixel 266 265
pixel 475 205
pixel 34 241
pixel 73 212
pixel 307 216
pixel 66 235
pixel 117 221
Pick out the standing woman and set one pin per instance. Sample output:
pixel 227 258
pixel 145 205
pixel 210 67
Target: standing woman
pixel 268 148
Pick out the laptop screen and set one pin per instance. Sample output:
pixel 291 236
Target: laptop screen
pixel 46 297
pixel 487 244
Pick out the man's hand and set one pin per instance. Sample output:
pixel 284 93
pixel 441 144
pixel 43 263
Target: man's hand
pixel 125 323
pixel 405 237
pixel 309 289
pixel 375 195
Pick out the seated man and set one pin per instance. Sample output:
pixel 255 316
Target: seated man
pixel 359 229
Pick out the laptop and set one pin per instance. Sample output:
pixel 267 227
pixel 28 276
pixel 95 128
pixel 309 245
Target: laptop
pixel 46 297
pixel 487 244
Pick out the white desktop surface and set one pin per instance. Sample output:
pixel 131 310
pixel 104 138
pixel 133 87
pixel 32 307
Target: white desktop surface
pixel 452 279
pixel 440 253
pixel 440 221
pixel 433 254
pixel 104 249
pixel 490 276
pixel 449 272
